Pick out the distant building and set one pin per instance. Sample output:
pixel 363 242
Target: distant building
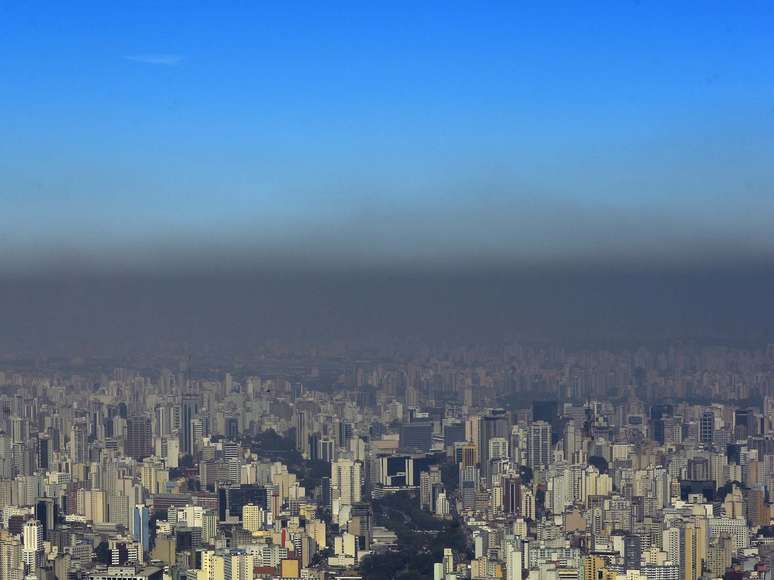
pixel 416 436
pixel 141 528
pixel 539 445
pixel 139 437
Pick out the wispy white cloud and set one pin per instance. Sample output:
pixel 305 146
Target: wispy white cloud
pixel 158 59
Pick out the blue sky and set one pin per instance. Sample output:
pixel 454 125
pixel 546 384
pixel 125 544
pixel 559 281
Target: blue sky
pixel 384 130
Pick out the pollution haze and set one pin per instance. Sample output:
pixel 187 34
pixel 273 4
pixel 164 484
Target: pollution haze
pixel 111 313
pixel 219 178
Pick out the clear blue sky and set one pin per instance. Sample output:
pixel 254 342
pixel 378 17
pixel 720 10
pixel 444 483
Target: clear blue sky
pixel 377 128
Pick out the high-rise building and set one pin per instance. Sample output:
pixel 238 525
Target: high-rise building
pixel 539 445
pixel 11 557
pixel 698 469
pixel 20 430
pixel 343 432
pixel 79 441
pixel 197 431
pixel 139 438
pixel 632 552
pixel 325 492
pixel 252 517
pixel 734 527
pixel 547 411
pixel 189 409
pixel 141 528
pixel 511 494
pixel 46 514
pixel 719 553
pixel 233 564
pixel 301 424
pixel 345 480
pixel 498 448
pixel 595 568
pixel 745 424
pixel 453 433
pixel 756 510
pixel 495 423
pixel 33 543
pixel 296 391
pixel 417 436
pixel 448 561
pixel 44 451
pixel 661 572
pixel 428 487
pixel 469 484
pixel 514 561
pixel 694 549
pixel 685 544
pixel 572 440
pixel 360 525
pixel 467 454
pixel 163 420
pixel 707 427
pixel 232 427
pixel 657 415
pixel 326 449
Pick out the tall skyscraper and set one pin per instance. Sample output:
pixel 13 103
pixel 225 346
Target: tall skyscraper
pixel 707 427
pixel 686 543
pixel 141 527
pixel 572 440
pixel 197 431
pixel 448 561
pixel 163 416
pixel 44 451
pixel 539 445
pixel 657 415
pixel 345 479
pixel 512 494
pixel 189 409
pixel 301 424
pixel 326 449
pixel 494 423
pixel 46 514
pixel 360 525
pixel 429 485
pixel 469 484
pixel 33 543
pixel 344 433
pixel 513 561
pixel 139 439
pixel 745 424
pixel 79 441
pixel 20 429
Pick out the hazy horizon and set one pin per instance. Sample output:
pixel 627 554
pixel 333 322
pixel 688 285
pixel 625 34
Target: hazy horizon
pixel 353 170
pixel 112 315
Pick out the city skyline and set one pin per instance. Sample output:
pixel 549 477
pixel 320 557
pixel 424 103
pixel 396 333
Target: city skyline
pixel 386 291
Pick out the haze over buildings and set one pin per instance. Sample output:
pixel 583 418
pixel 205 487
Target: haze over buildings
pixel 386 291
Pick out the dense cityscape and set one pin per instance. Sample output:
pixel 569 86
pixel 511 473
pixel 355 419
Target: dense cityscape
pixel 386 290
pixel 530 460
